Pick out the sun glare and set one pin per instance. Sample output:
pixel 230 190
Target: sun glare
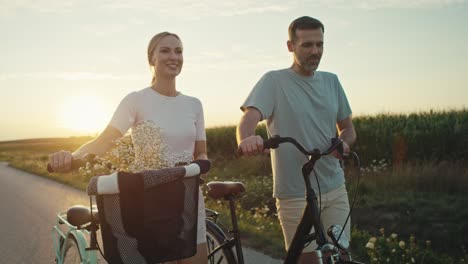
pixel 84 114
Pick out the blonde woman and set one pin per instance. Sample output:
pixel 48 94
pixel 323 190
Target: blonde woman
pixel 179 117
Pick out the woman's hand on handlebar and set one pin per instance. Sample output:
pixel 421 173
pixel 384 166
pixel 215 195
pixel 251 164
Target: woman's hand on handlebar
pixel 61 161
pixel 252 145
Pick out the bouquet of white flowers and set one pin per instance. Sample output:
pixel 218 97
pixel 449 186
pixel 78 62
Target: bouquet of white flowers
pixel 141 149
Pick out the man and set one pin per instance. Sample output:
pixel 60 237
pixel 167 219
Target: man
pixel 311 107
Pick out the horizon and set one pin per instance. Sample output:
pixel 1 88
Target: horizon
pixel 430 111
pixel 66 64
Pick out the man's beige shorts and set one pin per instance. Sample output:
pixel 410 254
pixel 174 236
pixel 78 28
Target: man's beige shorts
pixel 335 209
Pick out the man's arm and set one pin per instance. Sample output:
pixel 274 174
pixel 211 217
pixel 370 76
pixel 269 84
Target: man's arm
pixel 347 133
pixel 249 143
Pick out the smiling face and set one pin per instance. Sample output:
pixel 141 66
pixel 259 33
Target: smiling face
pixel 307 49
pixel 166 57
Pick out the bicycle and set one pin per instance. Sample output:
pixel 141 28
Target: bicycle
pixel 75 232
pixel 335 251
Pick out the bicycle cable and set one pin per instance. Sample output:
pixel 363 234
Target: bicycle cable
pixel 92 222
pixel 320 197
pixel 355 193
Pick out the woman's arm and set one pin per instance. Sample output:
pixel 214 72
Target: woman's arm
pixel 100 144
pixel 61 161
pixel 200 150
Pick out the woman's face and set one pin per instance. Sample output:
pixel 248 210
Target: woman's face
pixel 168 58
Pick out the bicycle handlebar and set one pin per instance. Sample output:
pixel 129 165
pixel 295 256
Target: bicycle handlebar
pixel 276 140
pixel 77 163
pixel 109 184
pixel 118 182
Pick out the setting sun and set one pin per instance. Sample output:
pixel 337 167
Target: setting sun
pixel 83 114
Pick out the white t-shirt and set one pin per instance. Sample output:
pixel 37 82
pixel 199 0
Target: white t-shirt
pixel 180 118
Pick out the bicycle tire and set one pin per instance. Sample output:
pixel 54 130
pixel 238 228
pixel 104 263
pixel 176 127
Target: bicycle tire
pixel 215 237
pixel 71 251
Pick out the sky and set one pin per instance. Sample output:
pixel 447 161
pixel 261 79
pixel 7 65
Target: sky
pixel 66 64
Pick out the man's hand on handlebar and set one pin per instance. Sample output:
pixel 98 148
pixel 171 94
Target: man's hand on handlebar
pixel 252 145
pixel 61 161
pixel 336 153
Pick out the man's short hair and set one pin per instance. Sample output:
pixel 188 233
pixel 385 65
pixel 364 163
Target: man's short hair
pixel 304 22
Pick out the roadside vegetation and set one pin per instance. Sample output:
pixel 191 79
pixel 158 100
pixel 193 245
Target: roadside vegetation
pixel 411 202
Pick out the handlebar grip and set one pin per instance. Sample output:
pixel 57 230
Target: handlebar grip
pixel 204 165
pixel 271 143
pixel 49 168
pixel 77 163
pixel 339 148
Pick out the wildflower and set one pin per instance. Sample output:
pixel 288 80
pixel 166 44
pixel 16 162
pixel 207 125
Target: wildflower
pixel 402 244
pixel 394 236
pixel 370 245
pixel 382 231
pixel 373 240
pixel 413 260
pixel 428 243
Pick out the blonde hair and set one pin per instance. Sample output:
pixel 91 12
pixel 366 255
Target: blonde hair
pixel 154 42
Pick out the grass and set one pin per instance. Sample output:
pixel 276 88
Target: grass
pixel 413 182
pixel 388 198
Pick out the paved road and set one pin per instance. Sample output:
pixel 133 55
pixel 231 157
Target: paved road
pixel 28 205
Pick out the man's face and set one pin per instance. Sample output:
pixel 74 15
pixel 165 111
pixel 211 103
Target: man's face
pixel 307 49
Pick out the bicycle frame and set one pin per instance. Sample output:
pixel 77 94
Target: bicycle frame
pixel 311 213
pixel 59 237
pixel 235 240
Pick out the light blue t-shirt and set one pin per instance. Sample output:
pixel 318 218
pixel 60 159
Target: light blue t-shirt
pixel 306 108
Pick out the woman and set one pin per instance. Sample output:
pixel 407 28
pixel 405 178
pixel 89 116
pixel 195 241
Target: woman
pixel 179 117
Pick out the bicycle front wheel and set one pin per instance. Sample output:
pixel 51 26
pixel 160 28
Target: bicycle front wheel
pixel 215 237
pixel 71 251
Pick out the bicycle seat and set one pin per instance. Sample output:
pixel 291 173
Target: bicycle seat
pixel 217 190
pixel 79 215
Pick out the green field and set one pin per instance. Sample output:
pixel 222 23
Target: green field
pixel 414 181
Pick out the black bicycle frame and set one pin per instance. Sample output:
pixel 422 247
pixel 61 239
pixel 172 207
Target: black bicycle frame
pixel 310 218
pixel 235 231
pixel 235 240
